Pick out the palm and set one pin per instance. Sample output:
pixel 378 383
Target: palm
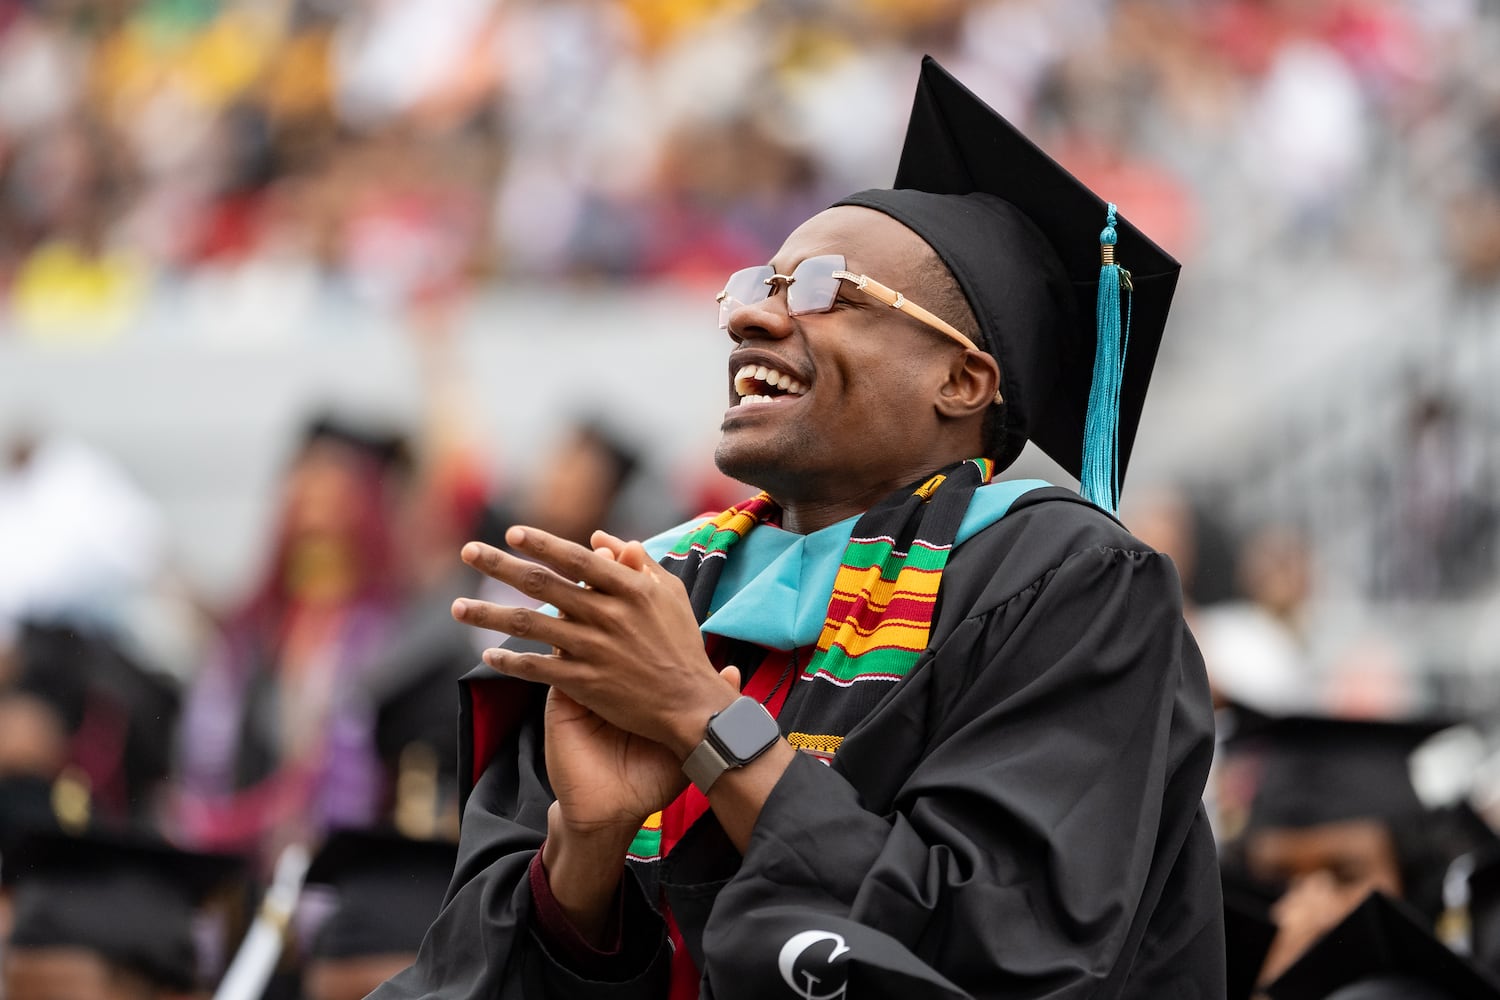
pixel 603 776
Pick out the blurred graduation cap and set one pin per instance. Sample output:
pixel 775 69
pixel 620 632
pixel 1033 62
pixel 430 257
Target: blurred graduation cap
pixel 1382 952
pixel 25 808
pixel 1315 770
pixel 130 900
pixel 1070 297
pixel 389 887
pixel 388 447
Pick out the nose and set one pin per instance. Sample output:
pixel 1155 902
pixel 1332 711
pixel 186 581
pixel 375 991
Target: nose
pixel 767 319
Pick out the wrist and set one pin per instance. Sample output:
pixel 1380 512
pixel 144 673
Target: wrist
pixel 583 872
pixel 733 738
pixel 692 724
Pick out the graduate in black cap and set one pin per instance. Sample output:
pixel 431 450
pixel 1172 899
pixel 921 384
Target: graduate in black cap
pixel 895 727
pixel 110 917
pixel 1382 951
pixel 388 890
pixel 1334 816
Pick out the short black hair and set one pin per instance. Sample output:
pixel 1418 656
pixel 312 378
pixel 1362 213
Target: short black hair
pixel 942 296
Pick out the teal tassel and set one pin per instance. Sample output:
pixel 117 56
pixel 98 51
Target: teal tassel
pixel 1099 481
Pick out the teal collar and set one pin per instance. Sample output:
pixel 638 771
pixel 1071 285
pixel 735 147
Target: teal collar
pixel 776 584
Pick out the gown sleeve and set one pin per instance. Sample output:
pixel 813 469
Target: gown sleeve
pixel 1059 742
pixel 486 941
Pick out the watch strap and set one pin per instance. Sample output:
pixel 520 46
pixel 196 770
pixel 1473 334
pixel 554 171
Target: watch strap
pixel 704 765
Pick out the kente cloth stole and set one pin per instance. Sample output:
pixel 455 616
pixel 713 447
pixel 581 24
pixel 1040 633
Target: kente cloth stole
pixel 883 597
pixel 876 627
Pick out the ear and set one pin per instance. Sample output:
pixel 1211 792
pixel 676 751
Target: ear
pixel 972 386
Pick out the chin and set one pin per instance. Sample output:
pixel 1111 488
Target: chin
pixel 762 464
pixel 740 463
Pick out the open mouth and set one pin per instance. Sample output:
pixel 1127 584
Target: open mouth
pixel 759 384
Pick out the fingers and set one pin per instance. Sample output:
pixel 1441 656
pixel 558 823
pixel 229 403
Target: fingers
pixel 523 623
pixel 630 554
pixel 532 579
pixel 568 559
pixel 537 667
pixel 603 541
pixel 731 677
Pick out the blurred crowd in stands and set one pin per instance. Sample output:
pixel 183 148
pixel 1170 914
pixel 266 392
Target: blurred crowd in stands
pixel 263 155
pixel 399 152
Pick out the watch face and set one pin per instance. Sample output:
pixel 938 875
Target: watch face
pixel 744 730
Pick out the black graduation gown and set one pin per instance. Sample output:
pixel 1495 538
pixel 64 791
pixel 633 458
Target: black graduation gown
pixel 1019 817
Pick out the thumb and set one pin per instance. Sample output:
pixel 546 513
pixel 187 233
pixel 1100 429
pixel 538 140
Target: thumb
pixel 731 677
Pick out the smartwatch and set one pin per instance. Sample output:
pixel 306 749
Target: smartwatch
pixel 736 736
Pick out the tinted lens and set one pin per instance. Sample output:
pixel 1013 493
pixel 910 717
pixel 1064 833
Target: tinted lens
pixel 815 287
pixel 744 287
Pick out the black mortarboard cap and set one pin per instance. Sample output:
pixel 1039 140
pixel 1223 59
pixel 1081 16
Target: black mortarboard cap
pixel 130 900
pixel 386 446
pixel 1023 239
pixel 25 808
pixel 389 887
pixel 1315 770
pixel 1381 951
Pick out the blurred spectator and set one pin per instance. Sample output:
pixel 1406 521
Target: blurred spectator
pixel 572 491
pixel 89 724
pixel 387 891
pixel 114 918
pixel 1441 508
pixel 277 735
pixel 1258 649
pixel 1333 815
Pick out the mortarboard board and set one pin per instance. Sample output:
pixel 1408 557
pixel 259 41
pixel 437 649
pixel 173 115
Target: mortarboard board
pixel 1382 952
pixel 1315 770
pixel 1023 238
pixel 130 900
pixel 390 889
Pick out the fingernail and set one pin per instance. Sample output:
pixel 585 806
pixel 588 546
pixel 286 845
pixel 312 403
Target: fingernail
pixel 516 535
pixel 459 609
pixel 470 552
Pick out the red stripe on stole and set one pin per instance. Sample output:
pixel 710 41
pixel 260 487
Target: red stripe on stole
pixel 690 806
pixel 907 610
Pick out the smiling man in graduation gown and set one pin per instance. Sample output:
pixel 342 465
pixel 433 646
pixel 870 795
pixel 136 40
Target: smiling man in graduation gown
pixel 946 735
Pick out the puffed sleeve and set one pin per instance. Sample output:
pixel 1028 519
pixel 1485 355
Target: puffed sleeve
pixel 1021 818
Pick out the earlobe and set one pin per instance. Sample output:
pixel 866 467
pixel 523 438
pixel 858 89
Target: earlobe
pixel 972 386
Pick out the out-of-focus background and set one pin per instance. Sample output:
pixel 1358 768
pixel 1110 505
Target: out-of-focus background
pixel 296 295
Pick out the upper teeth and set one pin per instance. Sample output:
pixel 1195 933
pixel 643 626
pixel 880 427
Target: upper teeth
pixel 746 377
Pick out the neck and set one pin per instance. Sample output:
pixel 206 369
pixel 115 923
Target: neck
pixel 806 513
pixel 807 517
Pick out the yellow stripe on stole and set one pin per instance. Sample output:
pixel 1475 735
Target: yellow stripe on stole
pixel 854 643
pixel 852 582
pixel 808 741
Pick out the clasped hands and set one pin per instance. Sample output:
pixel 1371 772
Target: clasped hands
pixel 632 687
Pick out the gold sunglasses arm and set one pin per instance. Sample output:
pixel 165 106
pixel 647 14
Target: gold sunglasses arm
pixel 896 300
